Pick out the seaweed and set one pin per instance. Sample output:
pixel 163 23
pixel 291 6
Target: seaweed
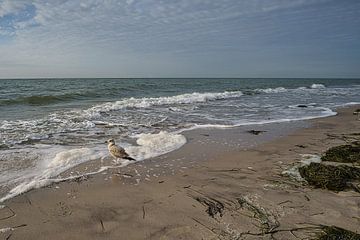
pixel 318 232
pixel 337 233
pixel 268 222
pixel 334 178
pixel 349 153
pixel 214 206
pixel 3 146
pixel 255 132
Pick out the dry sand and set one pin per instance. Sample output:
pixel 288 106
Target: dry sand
pixel 247 195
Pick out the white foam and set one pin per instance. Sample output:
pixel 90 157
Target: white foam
pixel 149 145
pixel 326 112
pixel 272 90
pixel 148 102
pixel 201 126
pixel 350 104
pixel 51 167
pixel 7 229
pixel 306 159
pixel 317 86
pixel 153 145
pixel 70 158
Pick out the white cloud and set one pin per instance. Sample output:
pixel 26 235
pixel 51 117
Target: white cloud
pixel 129 2
pixel 11 6
pixel 119 35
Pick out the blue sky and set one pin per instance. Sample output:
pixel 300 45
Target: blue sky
pixel 179 38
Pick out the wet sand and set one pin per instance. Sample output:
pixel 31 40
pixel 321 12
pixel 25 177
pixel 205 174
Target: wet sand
pixel 205 190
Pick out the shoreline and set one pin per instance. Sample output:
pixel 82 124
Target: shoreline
pixel 173 203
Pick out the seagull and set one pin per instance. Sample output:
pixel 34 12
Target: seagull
pixel 117 151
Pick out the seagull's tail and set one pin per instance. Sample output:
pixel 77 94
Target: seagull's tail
pixel 129 158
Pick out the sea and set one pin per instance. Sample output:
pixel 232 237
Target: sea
pixel 48 126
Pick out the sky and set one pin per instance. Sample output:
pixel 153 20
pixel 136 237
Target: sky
pixel 179 38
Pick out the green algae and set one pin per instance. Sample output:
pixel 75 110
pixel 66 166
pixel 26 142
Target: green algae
pixel 349 153
pixel 337 233
pixel 336 178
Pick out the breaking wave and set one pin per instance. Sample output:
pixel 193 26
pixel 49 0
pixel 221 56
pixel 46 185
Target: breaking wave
pixel 317 86
pixel 61 159
pixel 187 98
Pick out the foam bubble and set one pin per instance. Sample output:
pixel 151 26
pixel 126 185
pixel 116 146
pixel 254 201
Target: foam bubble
pixel 350 104
pixel 69 158
pixel 152 145
pixel 272 90
pixel 187 98
pixel 306 159
pixel 51 167
pixel 317 85
pixel 7 229
pixel 325 112
pixel 149 145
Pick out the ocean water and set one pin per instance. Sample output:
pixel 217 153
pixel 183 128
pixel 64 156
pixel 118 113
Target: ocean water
pixel 48 126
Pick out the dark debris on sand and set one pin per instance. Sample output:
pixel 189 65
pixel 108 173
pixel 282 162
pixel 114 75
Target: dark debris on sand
pixel 336 233
pixel 214 206
pixel 255 132
pixel 336 178
pixel 349 153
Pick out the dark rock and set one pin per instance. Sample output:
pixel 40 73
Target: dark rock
pixel 302 106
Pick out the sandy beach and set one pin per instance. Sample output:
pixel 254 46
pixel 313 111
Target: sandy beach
pixel 212 188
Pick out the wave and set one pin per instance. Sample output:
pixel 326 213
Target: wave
pixel 43 174
pixel 32 100
pixel 317 86
pixel 325 112
pixel 283 89
pixel 150 145
pixel 272 90
pixel 62 159
pixel 186 98
pixel 38 100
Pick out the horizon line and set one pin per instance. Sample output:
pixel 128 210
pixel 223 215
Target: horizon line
pixel 49 78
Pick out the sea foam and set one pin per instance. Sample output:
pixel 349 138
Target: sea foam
pixel 51 167
pixel 306 159
pixel 317 85
pixel 272 90
pixel 47 172
pixel 152 145
pixel 187 98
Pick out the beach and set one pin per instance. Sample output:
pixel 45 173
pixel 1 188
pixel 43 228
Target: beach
pixel 200 191
pixel 204 120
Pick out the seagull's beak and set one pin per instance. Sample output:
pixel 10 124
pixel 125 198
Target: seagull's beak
pixel 106 141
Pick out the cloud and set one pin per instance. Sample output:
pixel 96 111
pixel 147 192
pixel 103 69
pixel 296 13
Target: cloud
pixel 11 6
pixel 136 24
pixel 118 36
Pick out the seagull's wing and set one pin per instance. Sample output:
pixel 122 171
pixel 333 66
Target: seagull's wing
pixel 118 152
